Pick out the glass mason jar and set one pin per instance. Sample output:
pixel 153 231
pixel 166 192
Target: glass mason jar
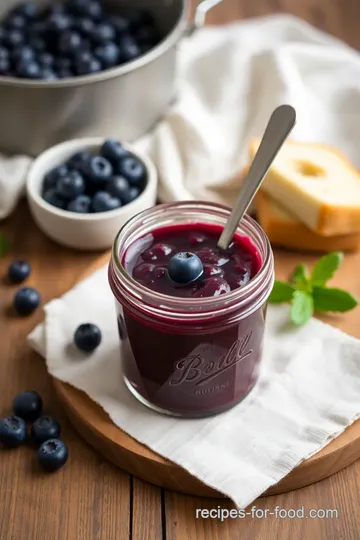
pixel 181 356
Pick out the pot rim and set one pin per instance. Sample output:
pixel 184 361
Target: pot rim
pixel 171 39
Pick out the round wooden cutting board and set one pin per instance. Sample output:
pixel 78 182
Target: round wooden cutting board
pixel 96 428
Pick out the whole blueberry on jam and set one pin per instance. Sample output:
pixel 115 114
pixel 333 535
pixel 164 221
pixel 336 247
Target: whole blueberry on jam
pixel 87 337
pixel 12 432
pixel 27 405
pixel 52 455
pixel 26 301
pixel 185 267
pixel 45 428
pixel 19 271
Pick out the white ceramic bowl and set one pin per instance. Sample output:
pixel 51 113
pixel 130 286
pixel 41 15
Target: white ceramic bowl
pixel 82 231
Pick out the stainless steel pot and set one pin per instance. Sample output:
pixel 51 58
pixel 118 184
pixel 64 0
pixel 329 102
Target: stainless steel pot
pixel 123 102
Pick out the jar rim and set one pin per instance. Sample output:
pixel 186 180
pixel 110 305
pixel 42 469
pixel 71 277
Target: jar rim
pixel 247 226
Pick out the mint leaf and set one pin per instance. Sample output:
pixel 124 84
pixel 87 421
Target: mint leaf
pixel 4 244
pixel 281 292
pixel 325 268
pixel 335 300
pixel 299 276
pixel 302 307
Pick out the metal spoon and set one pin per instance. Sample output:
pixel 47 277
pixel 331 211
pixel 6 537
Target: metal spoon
pixel 279 126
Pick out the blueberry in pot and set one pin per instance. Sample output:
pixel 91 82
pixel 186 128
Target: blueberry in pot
pixel 26 301
pixel 46 60
pixel 88 8
pixel 64 73
pixel 84 26
pixel 184 268
pixel 19 271
pixel 99 169
pixel 71 185
pixel 103 202
pixel 80 205
pixel 52 177
pixel 27 9
pixel 87 337
pixel 47 74
pixel 86 64
pixel 62 62
pixel 28 70
pixel 113 151
pixel 58 22
pixel 69 43
pixel 108 54
pixel 80 161
pixel 12 432
pixel 129 49
pixel 103 33
pixel 4 53
pixel 52 455
pixel 38 44
pixel 133 170
pixel 52 196
pixel 27 405
pixel 119 187
pixel 15 22
pixel 14 38
pixel 4 66
pixel 45 428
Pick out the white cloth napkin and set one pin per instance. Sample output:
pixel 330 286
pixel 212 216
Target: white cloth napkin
pixel 308 393
pixel 230 80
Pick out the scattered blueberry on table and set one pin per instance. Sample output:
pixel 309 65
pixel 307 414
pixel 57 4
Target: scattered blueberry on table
pixel 27 405
pixel 52 455
pixel 45 428
pixel 87 337
pixel 75 38
pixel 12 432
pixel 19 271
pixel 91 183
pixel 26 301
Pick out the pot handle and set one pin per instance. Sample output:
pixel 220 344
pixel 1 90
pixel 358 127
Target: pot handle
pixel 200 15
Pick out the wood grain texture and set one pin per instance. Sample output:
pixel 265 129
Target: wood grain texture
pixel 90 499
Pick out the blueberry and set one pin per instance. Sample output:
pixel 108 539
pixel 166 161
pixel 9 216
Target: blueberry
pixel 71 185
pixel 12 431
pixel 134 193
pixel 4 66
pixel 27 405
pixel 46 60
pixel 84 26
pixel 51 196
pixel 86 64
pixel 113 151
pixel 64 73
pixel 55 9
pixel 69 43
pixel 45 428
pixel 48 74
pixel 19 271
pixel 87 337
pixel 120 24
pixel 4 53
pixel 103 202
pixel 14 38
pixel 108 54
pixel 88 8
pixel 52 177
pixel 185 267
pixel 26 301
pixel 23 54
pixel 28 69
pixel 133 170
pixel 103 33
pixel 28 9
pixel 99 169
pixel 80 205
pixel 129 49
pixel 15 22
pixel 119 187
pixel 52 455
pixel 62 63
pixel 58 22
pixel 38 44
pixel 80 160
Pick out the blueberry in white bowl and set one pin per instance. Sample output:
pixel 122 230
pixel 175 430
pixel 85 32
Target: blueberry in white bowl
pixel 79 199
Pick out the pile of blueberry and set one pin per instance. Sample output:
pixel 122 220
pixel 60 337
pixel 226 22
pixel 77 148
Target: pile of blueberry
pixel 73 38
pixel 27 407
pixel 100 182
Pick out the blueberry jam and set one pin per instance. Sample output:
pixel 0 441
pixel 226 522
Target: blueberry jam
pixel 196 351
pixel 221 273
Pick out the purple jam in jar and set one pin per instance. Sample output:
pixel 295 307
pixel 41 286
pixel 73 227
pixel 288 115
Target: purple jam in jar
pixel 191 349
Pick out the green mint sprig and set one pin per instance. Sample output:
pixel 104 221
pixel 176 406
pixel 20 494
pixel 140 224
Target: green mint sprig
pixel 307 293
pixel 4 244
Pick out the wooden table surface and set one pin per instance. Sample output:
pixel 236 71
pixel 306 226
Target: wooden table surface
pixel 92 500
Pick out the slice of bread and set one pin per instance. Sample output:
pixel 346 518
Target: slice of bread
pixel 286 231
pixel 316 184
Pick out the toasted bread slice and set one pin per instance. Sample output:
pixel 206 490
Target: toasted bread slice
pixel 316 184
pixel 284 230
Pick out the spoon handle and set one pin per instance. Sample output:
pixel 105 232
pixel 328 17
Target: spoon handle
pixel 279 126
